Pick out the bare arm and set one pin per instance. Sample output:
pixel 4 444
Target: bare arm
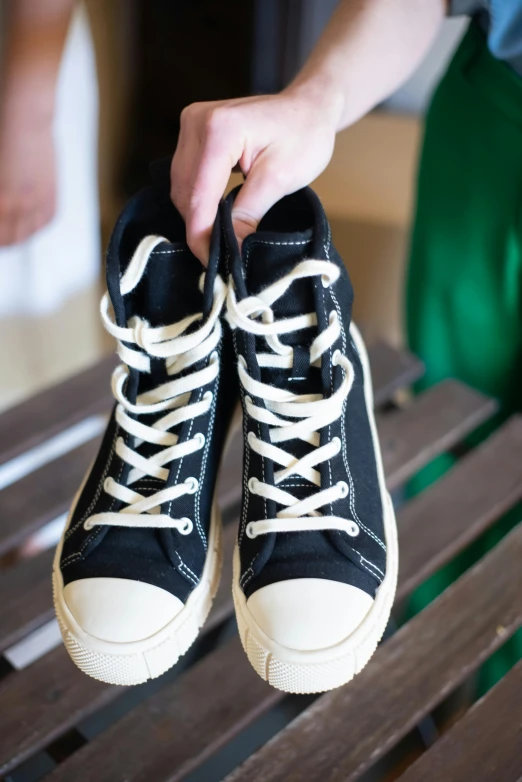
pixel 35 39
pixel 282 142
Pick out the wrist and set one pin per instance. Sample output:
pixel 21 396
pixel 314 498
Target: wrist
pixel 320 93
pixel 30 96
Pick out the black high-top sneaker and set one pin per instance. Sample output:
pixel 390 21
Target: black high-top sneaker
pixel 315 568
pixel 139 561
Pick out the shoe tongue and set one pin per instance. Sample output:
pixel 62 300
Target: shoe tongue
pixel 167 292
pixel 169 289
pixel 266 260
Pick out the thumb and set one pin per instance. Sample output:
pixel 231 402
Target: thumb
pixel 263 187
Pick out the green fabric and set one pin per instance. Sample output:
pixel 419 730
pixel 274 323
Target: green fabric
pixel 464 309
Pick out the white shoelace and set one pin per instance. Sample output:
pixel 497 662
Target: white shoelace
pixel 291 416
pixel 180 351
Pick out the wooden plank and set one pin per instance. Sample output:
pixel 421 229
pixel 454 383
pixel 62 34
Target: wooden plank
pixel 391 369
pixel 434 421
pixel 97 751
pixel 175 730
pixel 65 473
pixel 27 600
pixel 52 695
pixel 41 496
pixel 57 715
pixel 344 732
pixel 454 511
pixel 46 685
pixel 29 504
pixel 60 406
pixel 442 521
pixel 56 408
pixel 485 745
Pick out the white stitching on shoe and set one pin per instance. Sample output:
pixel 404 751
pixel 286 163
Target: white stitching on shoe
pixel 345 455
pixel 371 564
pixel 98 490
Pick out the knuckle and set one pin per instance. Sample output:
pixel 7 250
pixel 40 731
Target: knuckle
pixel 218 120
pixel 189 113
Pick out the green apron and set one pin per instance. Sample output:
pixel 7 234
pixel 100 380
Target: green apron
pixel 464 309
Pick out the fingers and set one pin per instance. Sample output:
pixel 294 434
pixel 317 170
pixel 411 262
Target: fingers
pixel 208 149
pixel 266 183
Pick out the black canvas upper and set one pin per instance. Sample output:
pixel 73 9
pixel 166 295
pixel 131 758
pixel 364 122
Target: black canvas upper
pixel 295 229
pixel 167 292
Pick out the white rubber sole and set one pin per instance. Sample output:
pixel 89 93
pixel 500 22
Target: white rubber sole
pixel 325 669
pixel 135 662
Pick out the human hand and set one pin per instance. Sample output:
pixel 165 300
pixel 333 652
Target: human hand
pixel 281 143
pixel 27 171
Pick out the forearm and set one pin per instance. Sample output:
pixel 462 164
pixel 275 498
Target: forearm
pixel 35 40
pixel 367 50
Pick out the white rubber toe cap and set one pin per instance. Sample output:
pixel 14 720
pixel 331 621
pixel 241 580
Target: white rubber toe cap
pixel 118 609
pixel 306 614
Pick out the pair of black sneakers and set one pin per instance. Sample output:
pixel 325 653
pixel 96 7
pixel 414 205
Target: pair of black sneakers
pixel 315 566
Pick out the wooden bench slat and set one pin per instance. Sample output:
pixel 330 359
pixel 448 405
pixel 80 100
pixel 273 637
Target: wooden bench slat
pixel 53 694
pixel 472 402
pixel 167 736
pixel 27 598
pixel 115 741
pixel 29 504
pixel 43 495
pixel 485 745
pixel 434 421
pixel 392 369
pixel 485 484
pixel 54 409
pixel 346 731
pixel 58 407
pixel 440 522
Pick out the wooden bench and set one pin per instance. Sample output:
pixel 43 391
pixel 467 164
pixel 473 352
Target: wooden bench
pixel 212 716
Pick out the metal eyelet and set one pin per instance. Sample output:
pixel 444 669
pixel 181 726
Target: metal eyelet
pixel 354 529
pixel 251 438
pixel 337 441
pixel 87 525
pixel 187 527
pixel 199 437
pixel 208 395
pixel 336 358
pixel 250 531
pixel 344 488
pixel 252 484
pixel 193 485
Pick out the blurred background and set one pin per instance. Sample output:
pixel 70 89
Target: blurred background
pixel 127 69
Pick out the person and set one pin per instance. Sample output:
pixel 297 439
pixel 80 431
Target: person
pixel 49 216
pixel 463 304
